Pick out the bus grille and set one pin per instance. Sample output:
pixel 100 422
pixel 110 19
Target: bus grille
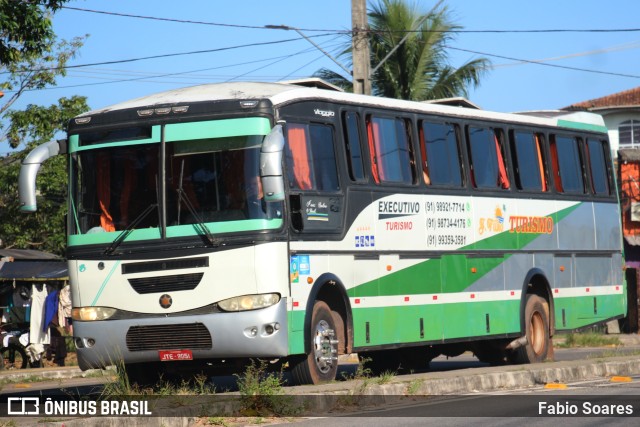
pixel 180 282
pixel 163 265
pixel 193 336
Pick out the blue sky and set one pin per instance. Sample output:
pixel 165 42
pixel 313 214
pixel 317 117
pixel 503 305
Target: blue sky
pixel 509 86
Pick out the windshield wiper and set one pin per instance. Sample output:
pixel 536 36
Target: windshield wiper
pixel 203 227
pixel 113 246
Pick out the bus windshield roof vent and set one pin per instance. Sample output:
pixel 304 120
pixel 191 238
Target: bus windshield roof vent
pixel 313 82
pixel 454 102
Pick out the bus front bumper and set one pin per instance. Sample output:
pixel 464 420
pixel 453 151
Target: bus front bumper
pixel 256 333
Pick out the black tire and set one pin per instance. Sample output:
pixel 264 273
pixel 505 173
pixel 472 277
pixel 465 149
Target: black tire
pixel 14 357
pixel 320 365
pixel 536 320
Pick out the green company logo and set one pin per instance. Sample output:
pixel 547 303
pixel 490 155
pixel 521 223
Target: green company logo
pixel 82 268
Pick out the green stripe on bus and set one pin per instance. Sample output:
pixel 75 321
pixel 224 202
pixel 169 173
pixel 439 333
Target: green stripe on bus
pixel 433 322
pixel 399 324
pixel 451 269
pixel 217 129
pixel 582 126
pixel 177 231
pixel 104 237
pixel 583 311
pixel 104 283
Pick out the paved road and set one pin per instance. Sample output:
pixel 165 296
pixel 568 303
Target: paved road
pixel 576 405
pixel 93 385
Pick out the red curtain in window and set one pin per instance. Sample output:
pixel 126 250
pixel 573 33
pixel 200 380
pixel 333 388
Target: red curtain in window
pixel 104 192
pixel 503 179
pixel 556 166
pixel 423 152
pixel 373 134
pixel 540 164
pixel 297 139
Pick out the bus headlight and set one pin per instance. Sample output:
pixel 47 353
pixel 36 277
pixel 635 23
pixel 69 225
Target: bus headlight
pixel 87 314
pixel 249 302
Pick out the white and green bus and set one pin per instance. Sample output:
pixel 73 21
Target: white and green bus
pixel 214 224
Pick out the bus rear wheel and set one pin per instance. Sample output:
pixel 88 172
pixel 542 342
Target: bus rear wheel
pixel 321 362
pixel 536 319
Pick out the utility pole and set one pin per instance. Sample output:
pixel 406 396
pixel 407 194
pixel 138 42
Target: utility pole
pixel 360 47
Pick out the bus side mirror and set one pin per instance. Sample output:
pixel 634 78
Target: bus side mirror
pixel 271 165
pixel 29 171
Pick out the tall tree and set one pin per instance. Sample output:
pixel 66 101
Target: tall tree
pixel 25 27
pixel 418 65
pixel 44 230
pixel 31 58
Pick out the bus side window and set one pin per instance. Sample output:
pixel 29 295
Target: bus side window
pixel 526 152
pixel 596 150
pixel 351 123
pixel 567 166
pixel 440 154
pixel 390 150
pixel 310 157
pixel 488 169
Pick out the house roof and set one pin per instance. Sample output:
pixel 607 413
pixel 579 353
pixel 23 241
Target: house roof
pixel 27 254
pixel 34 271
pixel 625 98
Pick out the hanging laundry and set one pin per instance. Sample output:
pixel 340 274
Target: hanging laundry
pixel 50 310
pixel 38 298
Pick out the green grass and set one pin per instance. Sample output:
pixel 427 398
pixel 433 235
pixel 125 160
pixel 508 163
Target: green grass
pixel 589 339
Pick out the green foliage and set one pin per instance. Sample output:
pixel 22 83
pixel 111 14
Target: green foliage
pixel 45 229
pixel 32 59
pixel 261 393
pixel 35 71
pixel 418 69
pixel 37 124
pixel 25 27
pixel 589 339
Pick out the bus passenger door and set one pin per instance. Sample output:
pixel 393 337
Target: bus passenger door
pixel 315 196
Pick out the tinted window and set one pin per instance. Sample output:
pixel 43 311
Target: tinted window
pixel 567 165
pixel 527 161
pixel 487 164
pixel 441 160
pixel 352 146
pixel 598 163
pixel 389 144
pixel 311 161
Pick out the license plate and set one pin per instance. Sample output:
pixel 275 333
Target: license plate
pixel 174 355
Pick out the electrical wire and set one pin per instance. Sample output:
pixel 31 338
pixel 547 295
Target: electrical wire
pixel 166 55
pixel 526 61
pixel 144 79
pixel 265 27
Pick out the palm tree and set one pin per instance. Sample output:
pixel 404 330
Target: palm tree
pixel 418 69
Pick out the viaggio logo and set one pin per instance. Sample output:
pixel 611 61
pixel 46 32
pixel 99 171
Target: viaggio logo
pixel 324 113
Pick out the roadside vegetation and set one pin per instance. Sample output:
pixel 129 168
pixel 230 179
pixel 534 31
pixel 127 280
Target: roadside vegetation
pixel 589 339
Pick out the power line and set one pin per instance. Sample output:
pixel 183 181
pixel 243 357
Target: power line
pixel 586 70
pixel 188 21
pixel 154 76
pixel 267 27
pixel 166 55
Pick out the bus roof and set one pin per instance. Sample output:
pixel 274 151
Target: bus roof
pixel 286 92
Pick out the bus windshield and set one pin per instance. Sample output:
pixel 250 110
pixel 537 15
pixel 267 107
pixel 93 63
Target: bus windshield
pixel 206 181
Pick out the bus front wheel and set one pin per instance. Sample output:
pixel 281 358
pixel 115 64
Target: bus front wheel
pixel 536 319
pixel 321 362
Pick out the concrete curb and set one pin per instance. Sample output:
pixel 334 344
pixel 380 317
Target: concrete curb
pixel 359 394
